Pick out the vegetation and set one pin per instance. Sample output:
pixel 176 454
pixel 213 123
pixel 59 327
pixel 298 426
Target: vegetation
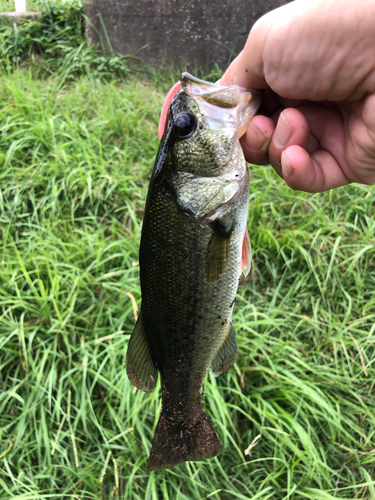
pixel 295 415
pixel 31 5
pixel 55 43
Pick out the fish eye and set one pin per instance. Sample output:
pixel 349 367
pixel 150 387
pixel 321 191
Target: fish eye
pixel 184 125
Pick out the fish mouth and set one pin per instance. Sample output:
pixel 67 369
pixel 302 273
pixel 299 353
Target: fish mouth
pixel 218 104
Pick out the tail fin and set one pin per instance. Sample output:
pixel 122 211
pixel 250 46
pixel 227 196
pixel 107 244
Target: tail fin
pixel 178 441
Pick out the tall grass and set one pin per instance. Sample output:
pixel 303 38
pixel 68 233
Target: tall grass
pixel 75 163
pixel 296 413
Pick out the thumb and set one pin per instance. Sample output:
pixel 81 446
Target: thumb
pixel 246 70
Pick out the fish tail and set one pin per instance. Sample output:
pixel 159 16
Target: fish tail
pixel 177 441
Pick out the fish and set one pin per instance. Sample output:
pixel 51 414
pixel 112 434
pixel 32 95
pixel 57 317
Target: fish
pixel 194 247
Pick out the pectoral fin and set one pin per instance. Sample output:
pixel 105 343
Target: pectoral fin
pixel 140 368
pixel 218 251
pixel 226 355
pixel 246 254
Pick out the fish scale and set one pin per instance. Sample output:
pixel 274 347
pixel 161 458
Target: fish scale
pixel 191 253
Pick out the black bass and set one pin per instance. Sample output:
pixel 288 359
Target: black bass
pixel 194 247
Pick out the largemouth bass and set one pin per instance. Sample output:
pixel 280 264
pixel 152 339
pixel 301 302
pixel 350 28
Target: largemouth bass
pixel 194 247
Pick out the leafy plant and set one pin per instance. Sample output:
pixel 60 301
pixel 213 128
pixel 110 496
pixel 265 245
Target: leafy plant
pixel 55 43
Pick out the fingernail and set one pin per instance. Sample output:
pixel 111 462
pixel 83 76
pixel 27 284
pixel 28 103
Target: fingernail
pixel 255 138
pixel 283 131
pixel 286 167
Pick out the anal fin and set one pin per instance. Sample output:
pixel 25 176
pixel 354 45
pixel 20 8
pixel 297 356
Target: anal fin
pixel 140 367
pixel 226 355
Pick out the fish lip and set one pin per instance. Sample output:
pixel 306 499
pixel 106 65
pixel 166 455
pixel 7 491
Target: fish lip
pixel 185 76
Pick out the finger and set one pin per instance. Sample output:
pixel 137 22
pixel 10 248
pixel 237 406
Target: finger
pixel 326 166
pixel 329 126
pixel 292 129
pixel 256 141
pixel 315 173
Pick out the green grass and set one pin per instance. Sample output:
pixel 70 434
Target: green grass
pixel 31 5
pixel 75 163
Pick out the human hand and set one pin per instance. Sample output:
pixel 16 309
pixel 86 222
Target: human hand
pixel 316 62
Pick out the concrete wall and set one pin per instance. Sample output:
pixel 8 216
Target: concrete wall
pixel 176 32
